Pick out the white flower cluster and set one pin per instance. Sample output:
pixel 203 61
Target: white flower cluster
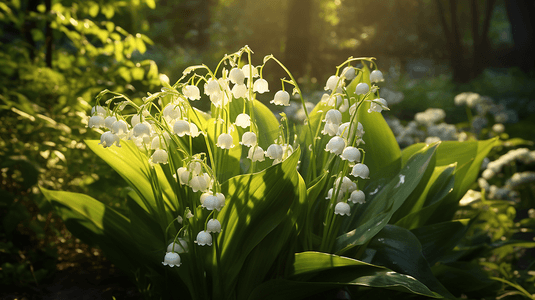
pixel 484 105
pixel 430 116
pixel 522 155
pixel 347 136
pixel 509 190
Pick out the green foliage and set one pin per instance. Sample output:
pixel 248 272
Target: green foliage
pixel 277 227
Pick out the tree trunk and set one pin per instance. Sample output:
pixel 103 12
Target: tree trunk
pixel 298 37
pixel 481 50
pixel 521 16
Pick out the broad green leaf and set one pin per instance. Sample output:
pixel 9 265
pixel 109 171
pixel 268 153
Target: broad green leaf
pixel 416 199
pixel 134 167
pixel 256 204
pixel 228 159
pixel 468 156
pixel 466 278
pixel 96 224
pixel 438 187
pixel 372 216
pixel 382 149
pixel 437 239
pixel 324 268
pixel 399 250
pixel 276 251
pixel 266 124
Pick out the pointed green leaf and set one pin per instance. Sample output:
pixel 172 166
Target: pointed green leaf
pixel 399 250
pixel 381 203
pixel 256 204
pixel 96 224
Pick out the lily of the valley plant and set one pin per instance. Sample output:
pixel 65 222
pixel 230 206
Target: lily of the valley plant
pixel 235 204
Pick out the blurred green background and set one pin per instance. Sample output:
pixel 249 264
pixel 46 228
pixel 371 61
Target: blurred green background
pixel 56 55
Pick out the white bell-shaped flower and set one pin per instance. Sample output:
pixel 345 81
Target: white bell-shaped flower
pixel 225 141
pixel 330 194
pixel 211 87
pixel 195 168
pixel 378 105
pixel 171 259
pixel 256 153
pixel 193 130
pixel 332 83
pixel 159 157
pixel 261 86
pixel 239 91
pixel 181 128
pixel 362 88
pixel 136 119
pixel 345 132
pixel 351 154
pixel 205 195
pixel 346 186
pixel 357 197
pixel 157 143
pixel 191 92
pixel 108 138
pixel 180 246
pixel 333 116
pixel 119 128
pixel 248 139
pixel 361 170
pixel 243 120
pixel 236 76
pixel 183 175
pixel 221 201
pixel 376 76
pixel 171 112
pixel 330 128
pixel 204 238
pixel 213 225
pixel 281 98
pixel 108 122
pixel 349 72
pixel 342 209
pixel 142 129
pixel 98 111
pixel 336 145
pixel 96 121
pixel 210 202
pixel 274 151
pixel 200 182
pixel 247 71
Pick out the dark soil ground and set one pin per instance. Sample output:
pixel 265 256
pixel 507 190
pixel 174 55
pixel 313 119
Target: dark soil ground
pixel 81 272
